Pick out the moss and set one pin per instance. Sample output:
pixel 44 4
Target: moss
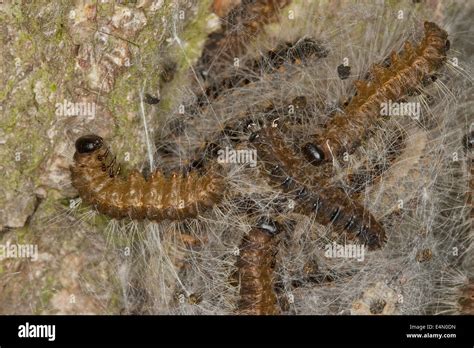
pixel 126 128
pixel 49 205
pixel 115 303
pixel 23 235
pixel 101 221
pixel 32 153
pixel 46 294
pixel 20 122
pixel 144 68
pixel 16 13
pixel 194 35
pixel 105 8
pixel 27 119
pixel 192 41
pixel 7 90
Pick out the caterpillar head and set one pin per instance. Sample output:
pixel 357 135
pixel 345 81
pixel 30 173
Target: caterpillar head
pixel 89 143
pixel 468 141
pixel 313 153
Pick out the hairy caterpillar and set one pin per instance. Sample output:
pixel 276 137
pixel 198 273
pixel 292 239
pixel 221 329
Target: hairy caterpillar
pixel 236 130
pixel 329 204
pixel 95 175
pixel 289 53
pixel 224 45
pixel 466 299
pixel 405 74
pixel 255 268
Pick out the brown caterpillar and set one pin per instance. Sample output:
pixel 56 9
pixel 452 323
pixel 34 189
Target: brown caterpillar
pixel 255 268
pixel 466 298
pixel 95 175
pixel 405 74
pixel 289 52
pixel 329 204
pixel 224 45
pixel 235 131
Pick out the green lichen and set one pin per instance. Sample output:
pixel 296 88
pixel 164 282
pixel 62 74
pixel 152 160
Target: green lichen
pixel 27 119
pixel 115 302
pixel 193 37
pixel 7 89
pixel 23 235
pixel 46 294
pixel 192 41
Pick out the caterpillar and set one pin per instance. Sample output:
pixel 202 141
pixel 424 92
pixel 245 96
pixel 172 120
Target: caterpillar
pixel 95 175
pixel 466 298
pixel 237 130
pixel 255 265
pixel 222 46
pixel 329 204
pixel 405 74
pixel 289 53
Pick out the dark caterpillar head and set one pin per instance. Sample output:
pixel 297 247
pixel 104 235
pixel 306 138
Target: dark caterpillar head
pixel 343 71
pixel 149 99
pixel 89 143
pixel 254 137
pixel 313 153
pixel 468 141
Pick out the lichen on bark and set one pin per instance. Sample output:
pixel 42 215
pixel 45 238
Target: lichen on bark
pixel 82 51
